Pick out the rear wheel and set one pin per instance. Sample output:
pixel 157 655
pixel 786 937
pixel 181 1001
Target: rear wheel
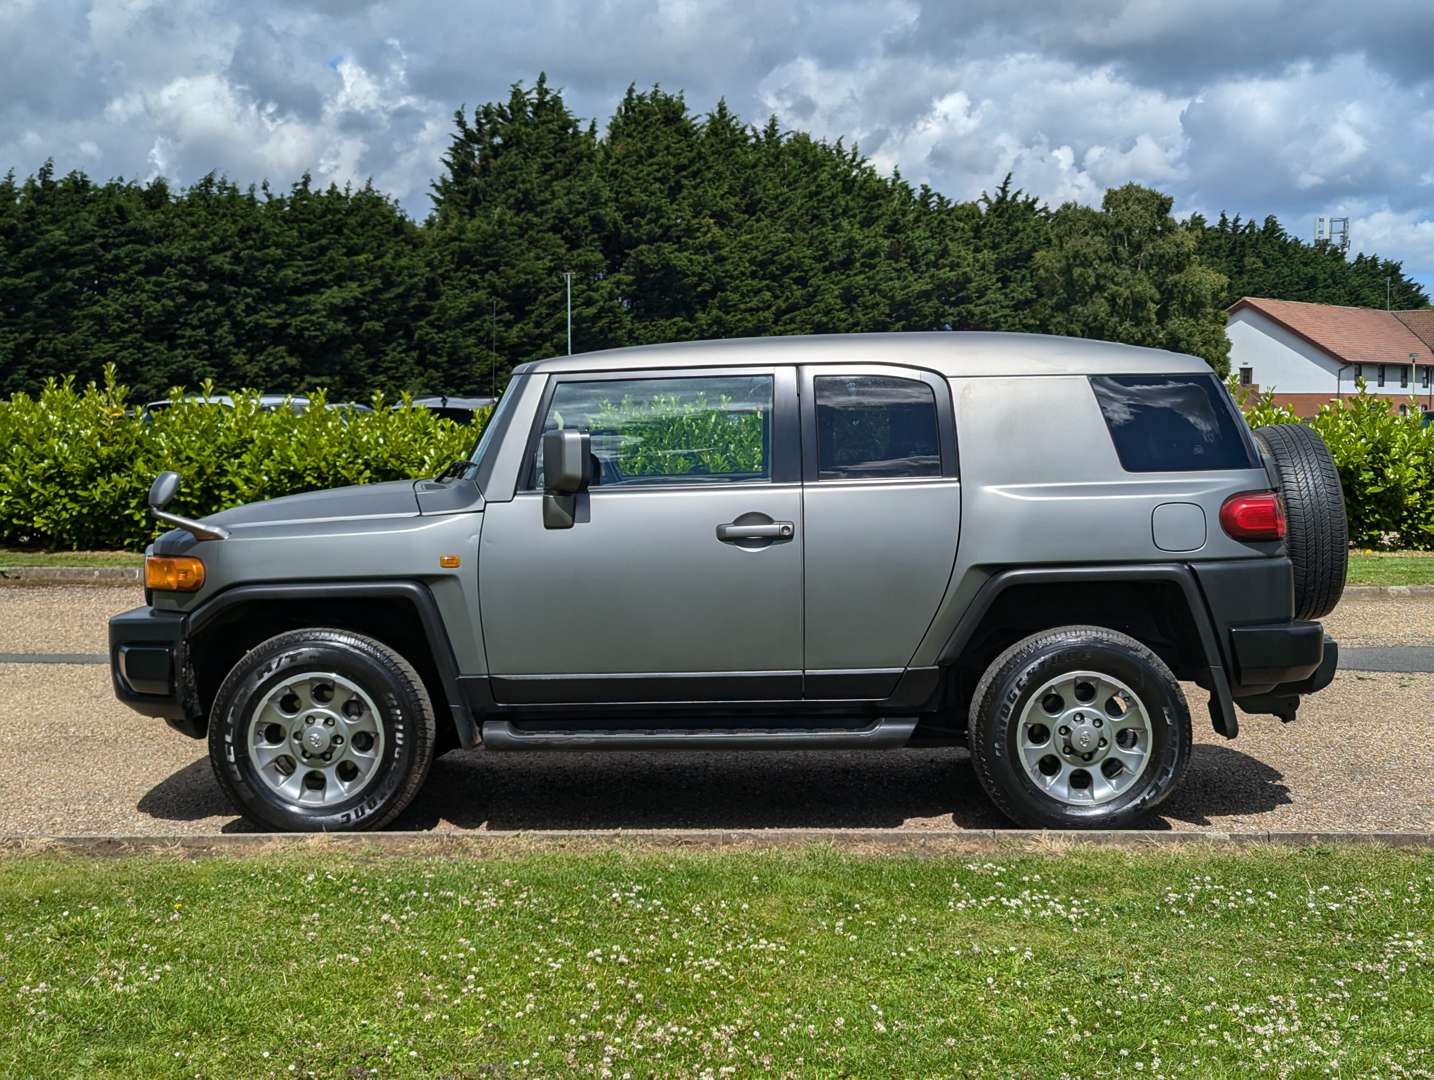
pixel 322 731
pixel 1079 727
pixel 1318 537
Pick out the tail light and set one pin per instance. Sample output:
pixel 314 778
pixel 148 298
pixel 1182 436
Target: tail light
pixel 1254 515
pixel 173 574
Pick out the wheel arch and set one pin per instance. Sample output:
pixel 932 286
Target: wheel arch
pixel 1158 604
pixel 401 614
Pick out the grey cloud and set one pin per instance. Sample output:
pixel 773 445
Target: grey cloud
pixel 1181 45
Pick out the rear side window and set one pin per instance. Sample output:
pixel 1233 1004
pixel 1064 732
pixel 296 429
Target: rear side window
pixel 872 426
pixel 1172 423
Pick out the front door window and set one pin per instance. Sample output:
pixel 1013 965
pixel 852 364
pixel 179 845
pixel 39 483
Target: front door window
pixel 690 430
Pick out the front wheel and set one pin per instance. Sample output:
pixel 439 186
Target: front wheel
pixel 322 731
pixel 1079 727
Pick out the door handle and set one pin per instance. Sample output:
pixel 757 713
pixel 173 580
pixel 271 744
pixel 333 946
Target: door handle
pixel 774 530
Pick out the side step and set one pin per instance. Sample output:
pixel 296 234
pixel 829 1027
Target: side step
pixel 885 733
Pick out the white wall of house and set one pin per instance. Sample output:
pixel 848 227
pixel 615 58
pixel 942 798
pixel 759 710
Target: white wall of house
pixel 1281 361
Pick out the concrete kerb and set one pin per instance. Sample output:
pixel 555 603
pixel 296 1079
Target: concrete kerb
pixel 70 575
pixel 1375 592
pixel 856 841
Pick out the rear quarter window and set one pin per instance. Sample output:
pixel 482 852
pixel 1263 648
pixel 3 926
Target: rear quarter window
pixel 1172 423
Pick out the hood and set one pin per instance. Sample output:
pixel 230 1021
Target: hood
pixel 392 499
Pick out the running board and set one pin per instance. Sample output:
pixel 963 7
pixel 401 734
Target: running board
pixel 886 733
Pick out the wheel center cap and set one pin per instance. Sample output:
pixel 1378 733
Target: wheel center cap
pixel 316 740
pixel 1084 738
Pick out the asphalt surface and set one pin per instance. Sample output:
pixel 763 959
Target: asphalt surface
pixel 74 761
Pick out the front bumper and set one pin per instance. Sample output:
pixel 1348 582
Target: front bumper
pixel 149 665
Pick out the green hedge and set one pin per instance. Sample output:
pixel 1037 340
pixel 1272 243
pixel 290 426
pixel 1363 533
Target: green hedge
pixel 75 467
pixel 1385 462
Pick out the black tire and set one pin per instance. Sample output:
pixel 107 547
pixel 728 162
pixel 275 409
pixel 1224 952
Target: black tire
pixel 1317 532
pixel 1022 670
pixel 395 688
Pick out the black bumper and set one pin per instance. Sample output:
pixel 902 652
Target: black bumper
pixel 149 664
pixel 1272 661
pixel 1271 655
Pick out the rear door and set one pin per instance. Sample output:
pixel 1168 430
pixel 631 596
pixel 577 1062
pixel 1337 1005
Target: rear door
pixel 681 580
pixel 882 508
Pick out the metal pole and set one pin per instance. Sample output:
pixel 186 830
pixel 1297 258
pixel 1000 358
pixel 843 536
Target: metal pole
pixel 568 277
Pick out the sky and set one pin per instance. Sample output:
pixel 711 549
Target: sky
pixel 1299 109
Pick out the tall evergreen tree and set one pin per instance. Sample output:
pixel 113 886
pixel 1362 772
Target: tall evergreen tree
pixel 1129 272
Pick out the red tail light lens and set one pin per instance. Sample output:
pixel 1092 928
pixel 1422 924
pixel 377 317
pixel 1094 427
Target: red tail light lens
pixel 1254 515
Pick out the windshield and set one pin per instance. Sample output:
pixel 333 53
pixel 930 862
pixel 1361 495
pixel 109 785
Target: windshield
pixel 497 420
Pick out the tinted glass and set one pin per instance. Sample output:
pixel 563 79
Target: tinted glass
pixel 873 426
pixel 1172 423
pixel 667 431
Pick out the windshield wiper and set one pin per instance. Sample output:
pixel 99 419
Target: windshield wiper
pixel 454 468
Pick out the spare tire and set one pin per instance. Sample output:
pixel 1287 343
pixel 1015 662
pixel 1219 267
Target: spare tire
pixel 1317 533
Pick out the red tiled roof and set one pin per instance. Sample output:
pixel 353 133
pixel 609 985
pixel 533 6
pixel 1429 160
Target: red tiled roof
pixel 1421 322
pixel 1352 335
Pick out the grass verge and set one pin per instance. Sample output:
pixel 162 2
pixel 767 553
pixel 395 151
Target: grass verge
pixel 1391 568
pixel 1171 963
pixel 12 558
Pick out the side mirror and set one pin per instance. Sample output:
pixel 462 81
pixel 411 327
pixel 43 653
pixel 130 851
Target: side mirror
pixel 161 492
pixel 567 462
pixel 567 470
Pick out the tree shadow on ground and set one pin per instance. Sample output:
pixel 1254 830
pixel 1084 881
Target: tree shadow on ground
pixel 741 790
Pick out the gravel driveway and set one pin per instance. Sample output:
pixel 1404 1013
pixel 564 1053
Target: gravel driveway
pixel 73 761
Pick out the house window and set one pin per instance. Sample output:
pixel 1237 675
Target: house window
pixel 1381 374
pixel 1403 375
pixel 1247 376
pixel 1404 410
pixel 1359 371
pixel 1424 376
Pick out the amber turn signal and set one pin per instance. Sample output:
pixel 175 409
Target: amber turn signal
pixel 449 562
pixel 173 574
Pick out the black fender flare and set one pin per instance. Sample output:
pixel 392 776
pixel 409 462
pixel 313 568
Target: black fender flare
pixel 1222 704
pixel 416 593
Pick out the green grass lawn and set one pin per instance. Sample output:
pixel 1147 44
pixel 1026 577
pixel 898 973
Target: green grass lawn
pixel 1391 568
pixel 812 963
pixel 12 558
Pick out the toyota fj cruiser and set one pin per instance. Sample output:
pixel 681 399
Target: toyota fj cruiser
pixel 1013 542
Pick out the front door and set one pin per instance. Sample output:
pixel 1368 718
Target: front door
pixel 681 578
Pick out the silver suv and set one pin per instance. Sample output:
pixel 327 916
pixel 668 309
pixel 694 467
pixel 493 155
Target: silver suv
pixel 1015 543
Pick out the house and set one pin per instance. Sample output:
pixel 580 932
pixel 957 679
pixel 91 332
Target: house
pixel 1307 354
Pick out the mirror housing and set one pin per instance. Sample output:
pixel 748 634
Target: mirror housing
pixel 567 462
pixel 161 492
pixel 567 470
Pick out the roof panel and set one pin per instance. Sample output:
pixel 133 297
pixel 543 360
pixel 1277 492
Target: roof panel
pixel 955 353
